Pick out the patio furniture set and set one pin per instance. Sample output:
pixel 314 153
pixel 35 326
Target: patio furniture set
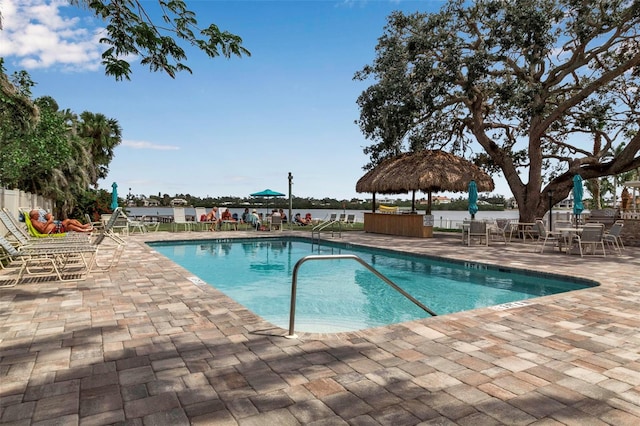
pixel 589 238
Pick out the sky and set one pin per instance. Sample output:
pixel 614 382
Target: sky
pixel 235 126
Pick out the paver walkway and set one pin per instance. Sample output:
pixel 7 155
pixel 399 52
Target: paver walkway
pixel 143 345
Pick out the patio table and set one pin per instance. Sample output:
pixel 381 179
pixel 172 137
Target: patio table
pixel 524 229
pixel 568 233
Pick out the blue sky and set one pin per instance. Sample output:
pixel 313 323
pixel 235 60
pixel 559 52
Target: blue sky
pixel 234 126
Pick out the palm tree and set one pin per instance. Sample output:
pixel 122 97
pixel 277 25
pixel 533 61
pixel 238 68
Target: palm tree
pixel 101 135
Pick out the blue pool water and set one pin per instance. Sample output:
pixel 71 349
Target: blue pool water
pixel 342 295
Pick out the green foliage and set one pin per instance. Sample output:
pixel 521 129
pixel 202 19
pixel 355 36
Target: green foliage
pixel 58 155
pixel 546 88
pixel 130 31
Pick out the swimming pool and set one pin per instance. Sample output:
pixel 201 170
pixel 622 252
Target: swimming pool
pixel 342 295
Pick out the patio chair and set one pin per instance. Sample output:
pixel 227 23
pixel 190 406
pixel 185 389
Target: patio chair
pixel 120 221
pixel 612 236
pixel 253 222
pixel 140 225
pixel 499 230
pixel 276 222
pixel 545 236
pixel 591 237
pixel 97 224
pixel 478 230
pixel 465 230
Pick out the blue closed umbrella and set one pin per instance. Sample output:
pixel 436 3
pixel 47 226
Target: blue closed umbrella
pixel 473 199
pixel 577 197
pixel 114 196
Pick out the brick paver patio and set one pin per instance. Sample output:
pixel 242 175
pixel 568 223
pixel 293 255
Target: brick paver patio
pixel 144 345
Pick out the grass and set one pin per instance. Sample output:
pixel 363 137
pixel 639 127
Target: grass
pixel 345 228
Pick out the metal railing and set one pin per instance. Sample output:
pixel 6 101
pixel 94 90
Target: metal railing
pixel 294 284
pixel 322 226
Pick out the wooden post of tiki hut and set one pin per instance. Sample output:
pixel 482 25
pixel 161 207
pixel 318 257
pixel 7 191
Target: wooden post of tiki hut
pixel 427 171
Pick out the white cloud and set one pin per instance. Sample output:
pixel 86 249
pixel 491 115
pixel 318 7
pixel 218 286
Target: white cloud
pixel 148 145
pixel 37 34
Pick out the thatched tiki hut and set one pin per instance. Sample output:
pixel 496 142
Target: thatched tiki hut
pixel 426 171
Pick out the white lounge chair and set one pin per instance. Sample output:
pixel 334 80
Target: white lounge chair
pixel 179 218
pixel 64 262
pixel 204 224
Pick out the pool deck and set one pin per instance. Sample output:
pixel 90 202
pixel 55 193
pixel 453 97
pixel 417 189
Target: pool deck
pixel 145 345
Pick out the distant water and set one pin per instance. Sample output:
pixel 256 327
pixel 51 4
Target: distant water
pixel 442 218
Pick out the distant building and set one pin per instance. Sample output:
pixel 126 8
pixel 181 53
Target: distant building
pixel 440 199
pixel 178 202
pixel 150 202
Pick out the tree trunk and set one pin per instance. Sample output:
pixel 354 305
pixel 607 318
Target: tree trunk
pixel 595 184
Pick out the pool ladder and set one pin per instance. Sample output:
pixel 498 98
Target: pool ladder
pixel 321 227
pixel 294 284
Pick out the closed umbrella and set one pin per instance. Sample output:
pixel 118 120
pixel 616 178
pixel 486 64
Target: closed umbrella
pixel 577 197
pixel 267 193
pixel 473 199
pixel 114 196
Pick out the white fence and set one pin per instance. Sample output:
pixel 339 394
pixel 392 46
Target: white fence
pixel 14 200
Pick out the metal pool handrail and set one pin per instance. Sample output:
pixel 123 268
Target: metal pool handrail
pixel 294 284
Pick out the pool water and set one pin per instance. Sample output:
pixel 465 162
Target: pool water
pixel 342 295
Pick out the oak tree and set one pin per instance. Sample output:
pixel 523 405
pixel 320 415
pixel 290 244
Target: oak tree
pixel 546 88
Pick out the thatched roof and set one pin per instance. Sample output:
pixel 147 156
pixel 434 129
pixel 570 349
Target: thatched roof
pixel 426 171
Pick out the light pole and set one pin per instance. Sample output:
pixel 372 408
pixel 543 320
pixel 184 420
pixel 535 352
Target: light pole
pixel 550 210
pixel 290 199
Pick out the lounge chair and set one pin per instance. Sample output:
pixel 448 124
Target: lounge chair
pixel 66 263
pixel 351 219
pixel 19 236
pixel 205 224
pixel 179 218
pixel 34 235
